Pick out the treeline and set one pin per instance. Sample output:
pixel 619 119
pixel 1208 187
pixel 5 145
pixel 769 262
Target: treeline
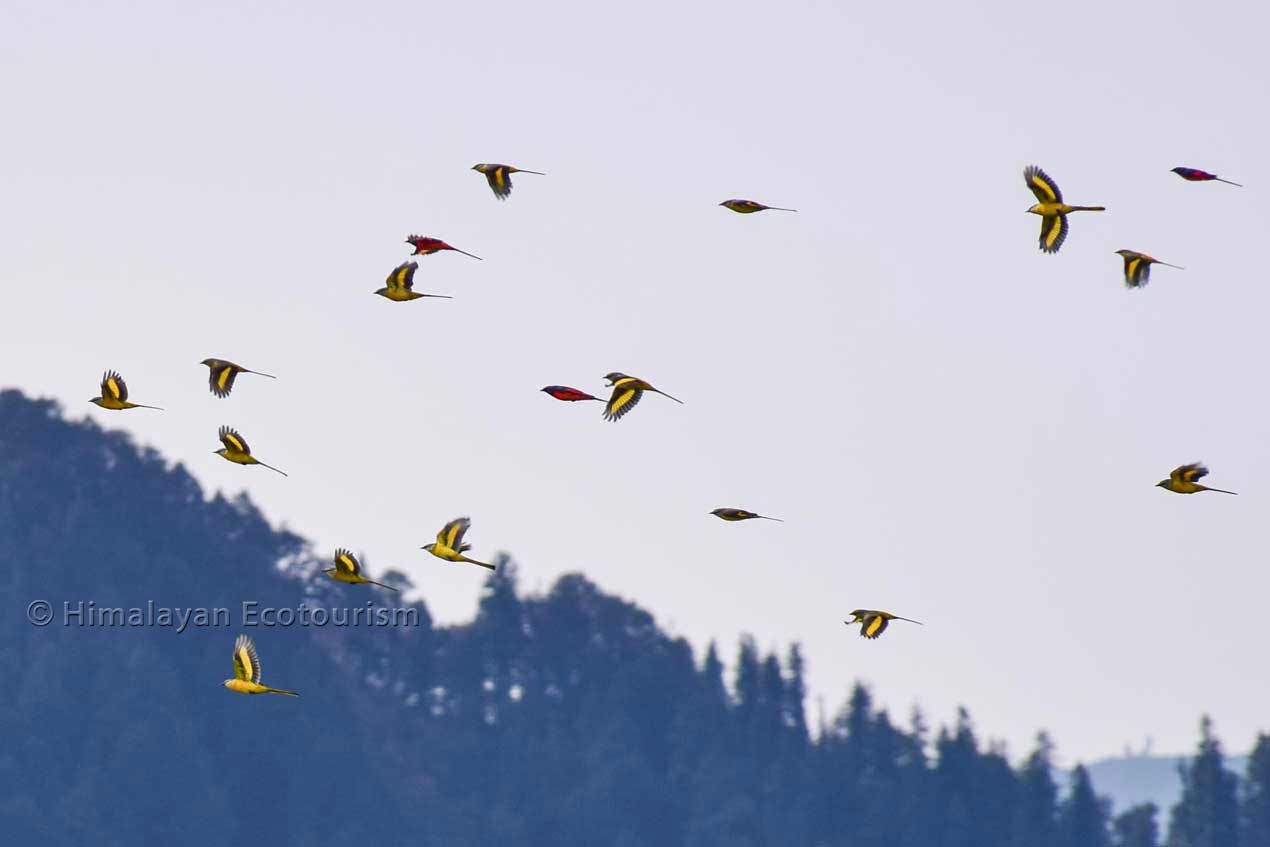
pixel 560 720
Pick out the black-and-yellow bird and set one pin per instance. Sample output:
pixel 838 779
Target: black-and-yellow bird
pixel 114 394
pixel 400 285
pixel 1051 208
pixel 874 622
pixel 348 569
pixel 749 207
pixel 222 373
pixel 627 390
pixel 1184 480
pixel 237 451
pixel 739 515
pixel 247 671
pixel 500 177
pixel 449 544
pixel 1137 267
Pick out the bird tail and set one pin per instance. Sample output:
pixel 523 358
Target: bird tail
pixel 282 691
pixel 1228 182
pixel 781 209
pixel 442 296
pixel 664 394
pixel 519 171
pixel 1167 265
pixel 766 518
pixel 465 253
pixel 271 467
pixel 910 620
pixel 1089 208
pixel 144 406
pixel 381 585
pixel 474 562
pixel 258 373
pixel 1221 490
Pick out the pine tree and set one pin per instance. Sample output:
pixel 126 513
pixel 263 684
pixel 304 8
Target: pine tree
pixel 1036 816
pixel 1256 795
pixel 1083 815
pixel 1208 813
pixel 1136 827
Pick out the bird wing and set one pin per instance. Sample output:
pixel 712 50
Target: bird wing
pixel 1053 232
pixel 346 562
pixel 113 386
pixel 873 626
pixel 233 441
pixel 500 181
pixel 623 399
pixel 1045 189
pixel 1137 271
pixel 221 378
pixel 451 535
pixel 246 662
pixel 1190 473
pixel 402 276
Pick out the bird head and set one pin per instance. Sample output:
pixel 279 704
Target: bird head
pixel 614 377
pixel 220 452
pixel 428 547
pixel 1124 253
pixel 1176 170
pixel 211 363
pixel 1164 483
pixel 227 683
pixel 480 168
pixel 857 615
pixel 1035 209
pixel 96 400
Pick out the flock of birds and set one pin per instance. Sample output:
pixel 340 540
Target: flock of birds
pixel 625 395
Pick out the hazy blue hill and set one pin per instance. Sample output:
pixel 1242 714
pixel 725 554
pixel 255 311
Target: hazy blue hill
pixel 562 720
pixel 1130 780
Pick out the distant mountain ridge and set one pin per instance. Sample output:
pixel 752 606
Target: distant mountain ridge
pixel 1130 780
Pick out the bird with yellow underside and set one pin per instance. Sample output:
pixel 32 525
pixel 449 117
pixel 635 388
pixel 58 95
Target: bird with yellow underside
pixel 1184 479
pixel 348 570
pixel 114 394
pixel 627 391
pixel 1137 267
pixel 400 285
pixel 237 451
pixel 500 177
pixel 873 622
pixel 449 544
pixel 729 514
pixel 247 671
pixel 1051 208
pixel 222 373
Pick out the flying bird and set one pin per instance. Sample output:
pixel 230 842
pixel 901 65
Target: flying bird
pixel 221 375
pixel 627 391
pixel 1196 175
pixel 247 671
pixel 500 177
pixel 1183 480
pixel 873 622
pixel 400 285
pixel 1052 209
pixel 564 392
pixel 740 515
pixel 449 544
pixel 114 394
pixel 749 207
pixel 237 451
pixel 425 246
pixel 348 569
pixel 1137 267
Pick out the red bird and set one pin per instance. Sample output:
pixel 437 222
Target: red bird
pixel 425 246
pixel 1196 175
pixel 564 392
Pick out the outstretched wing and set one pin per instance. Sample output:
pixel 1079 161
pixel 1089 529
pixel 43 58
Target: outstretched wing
pixel 233 441
pixel 1053 232
pixel 500 181
pixel 246 662
pixel 1190 473
pixel 451 535
pixel 623 399
pixel 1045 189
pixel 346 562
pixel 113 387
pixel 873 626
pixel 402 276
pixel 221 378
pixel 1137 271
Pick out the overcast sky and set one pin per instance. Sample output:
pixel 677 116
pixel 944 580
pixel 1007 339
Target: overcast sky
pixel 955 427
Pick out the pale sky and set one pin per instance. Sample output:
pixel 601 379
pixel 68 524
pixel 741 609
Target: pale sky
pixel 956 427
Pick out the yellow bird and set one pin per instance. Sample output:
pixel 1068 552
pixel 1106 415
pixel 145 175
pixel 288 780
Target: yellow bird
pixel 237 451
pixel 348 569
pixel 749 207
pixel 449 544
pixel 739 515
pixel 500 177
pixel 221 375
pixel 247 671
pixel 1183 480
pixel 1052 209
pixel 400 285
pixel 627 390
pixel 1137 267
pixel 114 394
pixel 873 622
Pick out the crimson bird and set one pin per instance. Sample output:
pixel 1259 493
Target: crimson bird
pixel 425 246
pixel 1196 175
pixel 564 392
